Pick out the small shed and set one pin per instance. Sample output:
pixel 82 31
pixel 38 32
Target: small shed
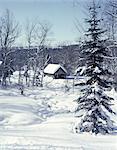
pixel 56 71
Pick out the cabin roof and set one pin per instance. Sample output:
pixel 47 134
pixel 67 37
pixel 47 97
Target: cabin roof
pixel 52 68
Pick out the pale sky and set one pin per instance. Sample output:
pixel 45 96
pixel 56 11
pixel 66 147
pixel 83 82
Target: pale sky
pixel 61 14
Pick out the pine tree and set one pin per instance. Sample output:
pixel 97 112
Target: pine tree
pixel 94 103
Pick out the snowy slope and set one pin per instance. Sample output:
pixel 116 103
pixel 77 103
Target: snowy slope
pixel 43 119
pixel 56 132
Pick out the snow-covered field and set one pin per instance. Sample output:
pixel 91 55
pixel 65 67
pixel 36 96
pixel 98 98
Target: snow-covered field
pixel 43 119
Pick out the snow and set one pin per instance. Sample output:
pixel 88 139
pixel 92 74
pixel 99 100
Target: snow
pixel 80 70
pixel 43 119
pixel 18 111
pixel 52 68
pixel 0 62
pixel 97 70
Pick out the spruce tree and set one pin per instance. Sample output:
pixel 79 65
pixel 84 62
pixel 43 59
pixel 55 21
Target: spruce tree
pixel 94 103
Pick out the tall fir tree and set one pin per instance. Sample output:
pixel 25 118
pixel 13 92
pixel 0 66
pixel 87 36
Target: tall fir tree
pixel 94 103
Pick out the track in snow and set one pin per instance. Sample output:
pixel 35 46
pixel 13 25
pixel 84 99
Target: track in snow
pixel 37 147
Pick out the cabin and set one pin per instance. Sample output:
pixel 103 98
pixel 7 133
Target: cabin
pixel 56 71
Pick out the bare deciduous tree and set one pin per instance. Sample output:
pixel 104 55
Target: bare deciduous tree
pixel 110 12
pixel 36 36
pixel 110 22
pixel 30 34
pixel 8 34
pixel 41 39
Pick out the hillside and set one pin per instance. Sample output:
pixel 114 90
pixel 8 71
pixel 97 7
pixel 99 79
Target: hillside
pixel 43 118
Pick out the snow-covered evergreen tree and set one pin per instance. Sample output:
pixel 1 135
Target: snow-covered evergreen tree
pixel 94 103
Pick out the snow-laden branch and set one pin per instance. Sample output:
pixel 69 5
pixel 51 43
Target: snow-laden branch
pixel 111 14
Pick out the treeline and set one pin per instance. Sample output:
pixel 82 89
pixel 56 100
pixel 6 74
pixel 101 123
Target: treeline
pixel 67 56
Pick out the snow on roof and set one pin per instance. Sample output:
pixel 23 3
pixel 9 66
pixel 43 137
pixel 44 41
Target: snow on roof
pixel 52 68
